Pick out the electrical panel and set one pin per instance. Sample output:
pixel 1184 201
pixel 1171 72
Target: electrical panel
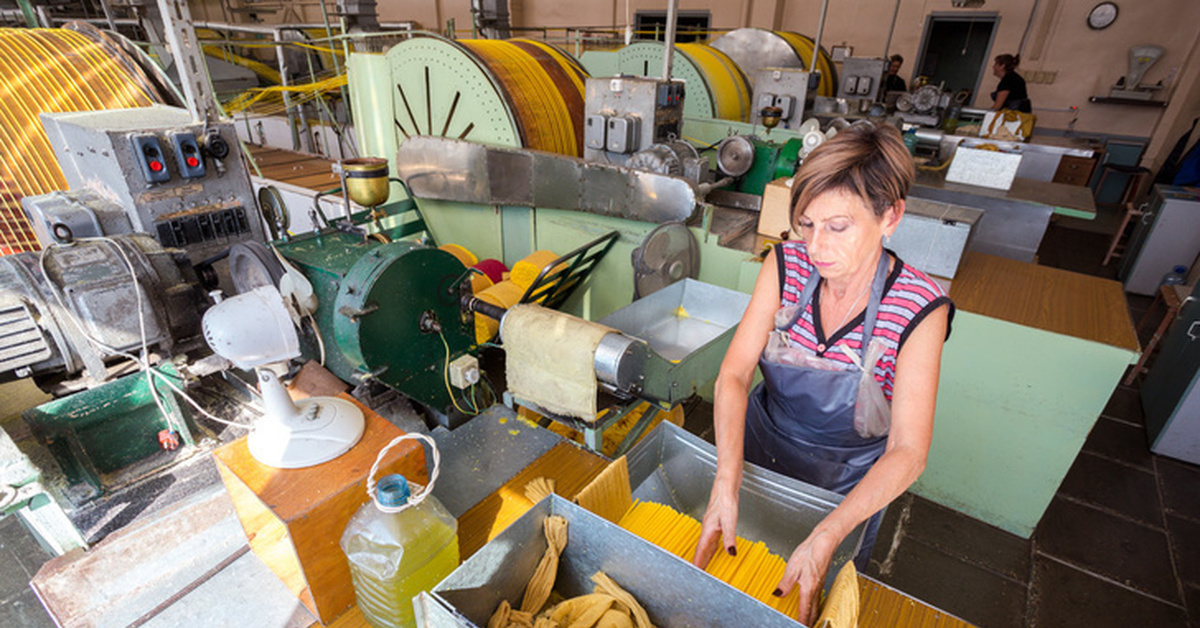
pixel 178 180
pixel 785 88
pixel 626 114
pixel 862 78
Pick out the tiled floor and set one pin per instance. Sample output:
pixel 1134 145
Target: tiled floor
pixel 1118 546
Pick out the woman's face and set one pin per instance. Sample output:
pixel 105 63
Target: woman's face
pixel 843 234
pixel 998 70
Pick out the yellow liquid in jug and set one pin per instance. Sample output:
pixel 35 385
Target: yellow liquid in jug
pixel 430 554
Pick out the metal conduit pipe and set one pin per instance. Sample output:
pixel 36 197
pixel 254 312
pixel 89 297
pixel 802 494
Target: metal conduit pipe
pixel 817 41
pixel 669 49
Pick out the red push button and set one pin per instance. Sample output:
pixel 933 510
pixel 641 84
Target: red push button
pixel 192 162
pixel 156 166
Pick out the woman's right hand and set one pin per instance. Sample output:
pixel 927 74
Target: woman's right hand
pixel 719 527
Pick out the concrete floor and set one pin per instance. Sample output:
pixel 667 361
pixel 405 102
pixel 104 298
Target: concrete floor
pixel 1119 545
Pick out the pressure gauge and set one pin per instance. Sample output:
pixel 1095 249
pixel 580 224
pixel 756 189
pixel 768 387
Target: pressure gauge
pixel 1102 15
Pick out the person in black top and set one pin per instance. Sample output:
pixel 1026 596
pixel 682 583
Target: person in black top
pixel 1010 93
pixel 892 81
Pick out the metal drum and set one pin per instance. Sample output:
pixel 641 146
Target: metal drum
pixel 716 86
pixel 518 92
pixel 756 48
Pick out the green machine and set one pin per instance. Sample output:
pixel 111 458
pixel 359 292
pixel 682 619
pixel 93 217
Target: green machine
pixel 755 162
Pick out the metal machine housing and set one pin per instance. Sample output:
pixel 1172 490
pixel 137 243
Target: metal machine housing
pixel 786 88
pixel 625 114
pixel 183 182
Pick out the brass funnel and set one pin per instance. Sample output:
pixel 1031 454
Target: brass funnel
pixel 367 180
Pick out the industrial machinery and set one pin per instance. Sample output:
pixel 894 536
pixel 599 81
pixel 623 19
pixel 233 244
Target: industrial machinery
pixel 636 122
pixel 785 89
pixel 71 311
pixel 504 93
pixel 753 49
pixel 862 78
pixel 717 88
pixel 756 162
pixel 923 106
pixel 183 182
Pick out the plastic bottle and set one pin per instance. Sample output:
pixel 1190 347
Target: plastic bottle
pixel 1175 277
pixel 910 141
pixel 395 555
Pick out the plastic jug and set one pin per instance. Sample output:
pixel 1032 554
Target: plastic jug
pixel 398 545
pixel 1174 278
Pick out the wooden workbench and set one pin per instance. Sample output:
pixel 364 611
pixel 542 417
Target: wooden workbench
pixel 1033 358
pixel 1081 306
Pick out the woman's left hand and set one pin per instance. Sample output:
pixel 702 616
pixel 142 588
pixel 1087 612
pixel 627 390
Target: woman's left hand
pixel 806 569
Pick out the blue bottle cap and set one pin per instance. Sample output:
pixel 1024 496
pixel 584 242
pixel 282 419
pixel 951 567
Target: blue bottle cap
pixel 392 490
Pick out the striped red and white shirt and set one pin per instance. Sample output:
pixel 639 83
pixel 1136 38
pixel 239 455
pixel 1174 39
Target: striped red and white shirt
pixel 909 296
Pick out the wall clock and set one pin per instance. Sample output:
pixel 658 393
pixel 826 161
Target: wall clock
pixel 1102 15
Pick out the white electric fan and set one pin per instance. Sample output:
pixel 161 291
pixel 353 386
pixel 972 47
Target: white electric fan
pixel 255 331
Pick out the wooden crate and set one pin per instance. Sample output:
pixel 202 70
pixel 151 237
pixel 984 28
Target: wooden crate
pixel 294 518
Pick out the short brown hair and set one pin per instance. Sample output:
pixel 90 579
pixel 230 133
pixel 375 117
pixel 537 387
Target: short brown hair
pixel 1008 62
pixel 868 161
pixel 896 58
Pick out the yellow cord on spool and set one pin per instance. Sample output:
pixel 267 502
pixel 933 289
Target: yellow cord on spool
pixel 44 71
pixel 465 257
pixel 804 49
pixel 504 294
pixel 527 73
pixel 727 85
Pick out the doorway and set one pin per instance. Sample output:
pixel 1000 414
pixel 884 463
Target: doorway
pixel 955 49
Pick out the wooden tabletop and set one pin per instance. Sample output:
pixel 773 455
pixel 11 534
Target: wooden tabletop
pixel 1045 298
pixel 304 170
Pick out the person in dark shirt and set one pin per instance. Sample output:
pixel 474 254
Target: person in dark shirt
pixel 893 82
pixel 1010 93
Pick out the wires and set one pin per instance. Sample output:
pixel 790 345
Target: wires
pixel 143 360
pixel 446 376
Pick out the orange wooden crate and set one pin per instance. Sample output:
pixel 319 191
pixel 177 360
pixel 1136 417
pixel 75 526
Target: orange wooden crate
pixel 294 518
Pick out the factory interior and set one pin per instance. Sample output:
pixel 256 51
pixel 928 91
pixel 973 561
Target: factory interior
pixel 555 212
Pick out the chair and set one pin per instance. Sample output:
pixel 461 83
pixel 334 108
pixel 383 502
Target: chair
pixel 1137 177
pixel 1117 247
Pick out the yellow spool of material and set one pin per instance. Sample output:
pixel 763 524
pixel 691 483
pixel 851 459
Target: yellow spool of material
pixel 480 282
pixel 546 93
pixel 804 49
pixel 504 294
pixel 460 253
pixel 526 271
pixel 728 86
pixel 43 71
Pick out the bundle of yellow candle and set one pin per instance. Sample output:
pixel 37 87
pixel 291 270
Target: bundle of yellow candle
pixel 755 571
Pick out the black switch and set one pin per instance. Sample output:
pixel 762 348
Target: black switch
pixel 188 155
pixel 149 154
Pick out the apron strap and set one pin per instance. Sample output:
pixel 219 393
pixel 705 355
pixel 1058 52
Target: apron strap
pixel 877 286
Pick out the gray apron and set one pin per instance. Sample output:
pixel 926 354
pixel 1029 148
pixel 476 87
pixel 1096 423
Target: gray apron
pixel 800 420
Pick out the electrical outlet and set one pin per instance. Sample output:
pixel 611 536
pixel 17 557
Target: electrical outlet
pixel 464 372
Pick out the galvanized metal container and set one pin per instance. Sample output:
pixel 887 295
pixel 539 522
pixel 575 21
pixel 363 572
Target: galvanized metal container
pixel 671 466
pixel 673 592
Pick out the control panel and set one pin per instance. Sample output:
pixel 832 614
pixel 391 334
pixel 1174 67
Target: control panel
pixel 178 180
pixel 862 78
pixel 626 114
pixel 784 88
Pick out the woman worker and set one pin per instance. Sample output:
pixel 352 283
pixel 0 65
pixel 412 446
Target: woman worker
pixel 1010 93
pixel 821 296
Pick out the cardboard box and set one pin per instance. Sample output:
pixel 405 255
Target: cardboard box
pixel 775 215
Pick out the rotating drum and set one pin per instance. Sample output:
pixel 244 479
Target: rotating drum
pixel 724 91
pixel 518 92
pixel 756 48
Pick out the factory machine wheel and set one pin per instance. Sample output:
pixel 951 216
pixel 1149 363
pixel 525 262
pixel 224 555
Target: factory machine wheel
pixel 518 92
pixel 723 92
pixel 756 48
